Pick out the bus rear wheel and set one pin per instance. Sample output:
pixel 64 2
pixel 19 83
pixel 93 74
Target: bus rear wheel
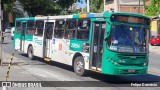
pixel 79 68
pixel 30 52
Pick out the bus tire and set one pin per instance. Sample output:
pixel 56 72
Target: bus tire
pixel 30 52
pixel 79 66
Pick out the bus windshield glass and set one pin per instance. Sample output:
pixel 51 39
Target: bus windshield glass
pixel 128 39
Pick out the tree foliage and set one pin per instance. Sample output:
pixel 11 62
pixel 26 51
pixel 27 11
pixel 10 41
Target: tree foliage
pixel 96 6
pixel 64 5
pixel 39 7
pixel 153 9
pixel 52 7
pixel 8 5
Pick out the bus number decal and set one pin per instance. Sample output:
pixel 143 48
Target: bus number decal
pixel 75 45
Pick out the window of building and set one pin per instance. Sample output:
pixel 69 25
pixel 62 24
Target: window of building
pixel 18 27
pixel 83 29
pixel 59 28
pixel 109 1
pixel 39 28
pixel 70 31
pixel 30 27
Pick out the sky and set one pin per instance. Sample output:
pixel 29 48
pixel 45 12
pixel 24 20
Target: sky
pixel 82 4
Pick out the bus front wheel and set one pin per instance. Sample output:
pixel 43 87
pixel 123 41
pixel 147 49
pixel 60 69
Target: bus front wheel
pixel 79 68
pixel 30 52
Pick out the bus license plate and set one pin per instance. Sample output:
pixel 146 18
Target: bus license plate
pixel 131 71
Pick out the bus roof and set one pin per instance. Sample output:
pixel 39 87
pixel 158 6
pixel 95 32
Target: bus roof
pixel 109 14
pixel 90 15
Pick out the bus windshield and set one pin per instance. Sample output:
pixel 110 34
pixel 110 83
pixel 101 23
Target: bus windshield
pixel 128 39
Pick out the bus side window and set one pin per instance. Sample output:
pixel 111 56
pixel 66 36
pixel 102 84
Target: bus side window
pixel 49 29
pixel 30 27
pixel 70 29
pixel 18 27
pixel 39 28
pixel 83 29
pixel 59 28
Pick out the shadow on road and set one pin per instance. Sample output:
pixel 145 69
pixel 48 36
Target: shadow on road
pixel 156 45
pixel 5 43
pixel 108 79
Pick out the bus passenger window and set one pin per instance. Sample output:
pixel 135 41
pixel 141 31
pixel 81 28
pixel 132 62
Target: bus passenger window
pixel 83 29
pixel 30 28
pixel 49 30
pixel 39 28
pixel 71 29
pixel 59 29
pixel 18 27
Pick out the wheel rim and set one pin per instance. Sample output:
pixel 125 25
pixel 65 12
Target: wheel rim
pixel 79 66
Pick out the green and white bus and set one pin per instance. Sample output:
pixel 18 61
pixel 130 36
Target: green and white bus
pixel 110 43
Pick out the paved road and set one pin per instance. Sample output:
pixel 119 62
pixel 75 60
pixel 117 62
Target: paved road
pixel 24 69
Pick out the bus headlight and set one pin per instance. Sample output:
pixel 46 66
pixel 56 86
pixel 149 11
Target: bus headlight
pixel 115 63
pixel 122 61
pixel 144 64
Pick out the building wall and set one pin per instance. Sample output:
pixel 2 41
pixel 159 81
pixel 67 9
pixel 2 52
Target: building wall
pixel 109 6
pixel 125 8
pixel 132 9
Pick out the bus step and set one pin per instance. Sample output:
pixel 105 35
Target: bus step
pixel 94 70
pixel 47 59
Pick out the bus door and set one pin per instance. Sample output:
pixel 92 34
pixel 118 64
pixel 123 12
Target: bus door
pixel 97 44
pixel 38 38
pixel 48 39
pixel 22 35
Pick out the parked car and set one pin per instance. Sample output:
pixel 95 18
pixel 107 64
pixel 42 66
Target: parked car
pixel 155 40
pixel 12 33
pixel 8 30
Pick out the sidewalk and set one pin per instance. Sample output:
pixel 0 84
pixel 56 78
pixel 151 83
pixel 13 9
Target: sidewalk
pixel 15 68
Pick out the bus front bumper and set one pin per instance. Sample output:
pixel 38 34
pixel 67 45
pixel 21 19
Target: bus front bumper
pixel 125 70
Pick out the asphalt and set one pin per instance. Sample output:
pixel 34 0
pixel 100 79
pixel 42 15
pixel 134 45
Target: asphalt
pixel 155 49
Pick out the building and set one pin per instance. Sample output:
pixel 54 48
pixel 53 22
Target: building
pixel 133 6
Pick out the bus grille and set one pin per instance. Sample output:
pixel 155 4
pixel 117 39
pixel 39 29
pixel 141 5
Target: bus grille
pixel 129 56
pixel 131 60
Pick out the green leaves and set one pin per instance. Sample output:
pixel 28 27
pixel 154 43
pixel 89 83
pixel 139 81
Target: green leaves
pixel 96 6
pixel 153 9
pixel 49 7
pixel 8 5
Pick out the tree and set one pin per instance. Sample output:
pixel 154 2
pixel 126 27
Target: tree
pixel 64 5
pixel 39 7
pixel 96 6
pixel 8 5
pixel 153 9
pixel 46 7
pixel 8 12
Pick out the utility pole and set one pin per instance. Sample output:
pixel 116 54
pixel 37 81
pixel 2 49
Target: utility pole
pixel 139 7
pixel 88 6
pixel 1 26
